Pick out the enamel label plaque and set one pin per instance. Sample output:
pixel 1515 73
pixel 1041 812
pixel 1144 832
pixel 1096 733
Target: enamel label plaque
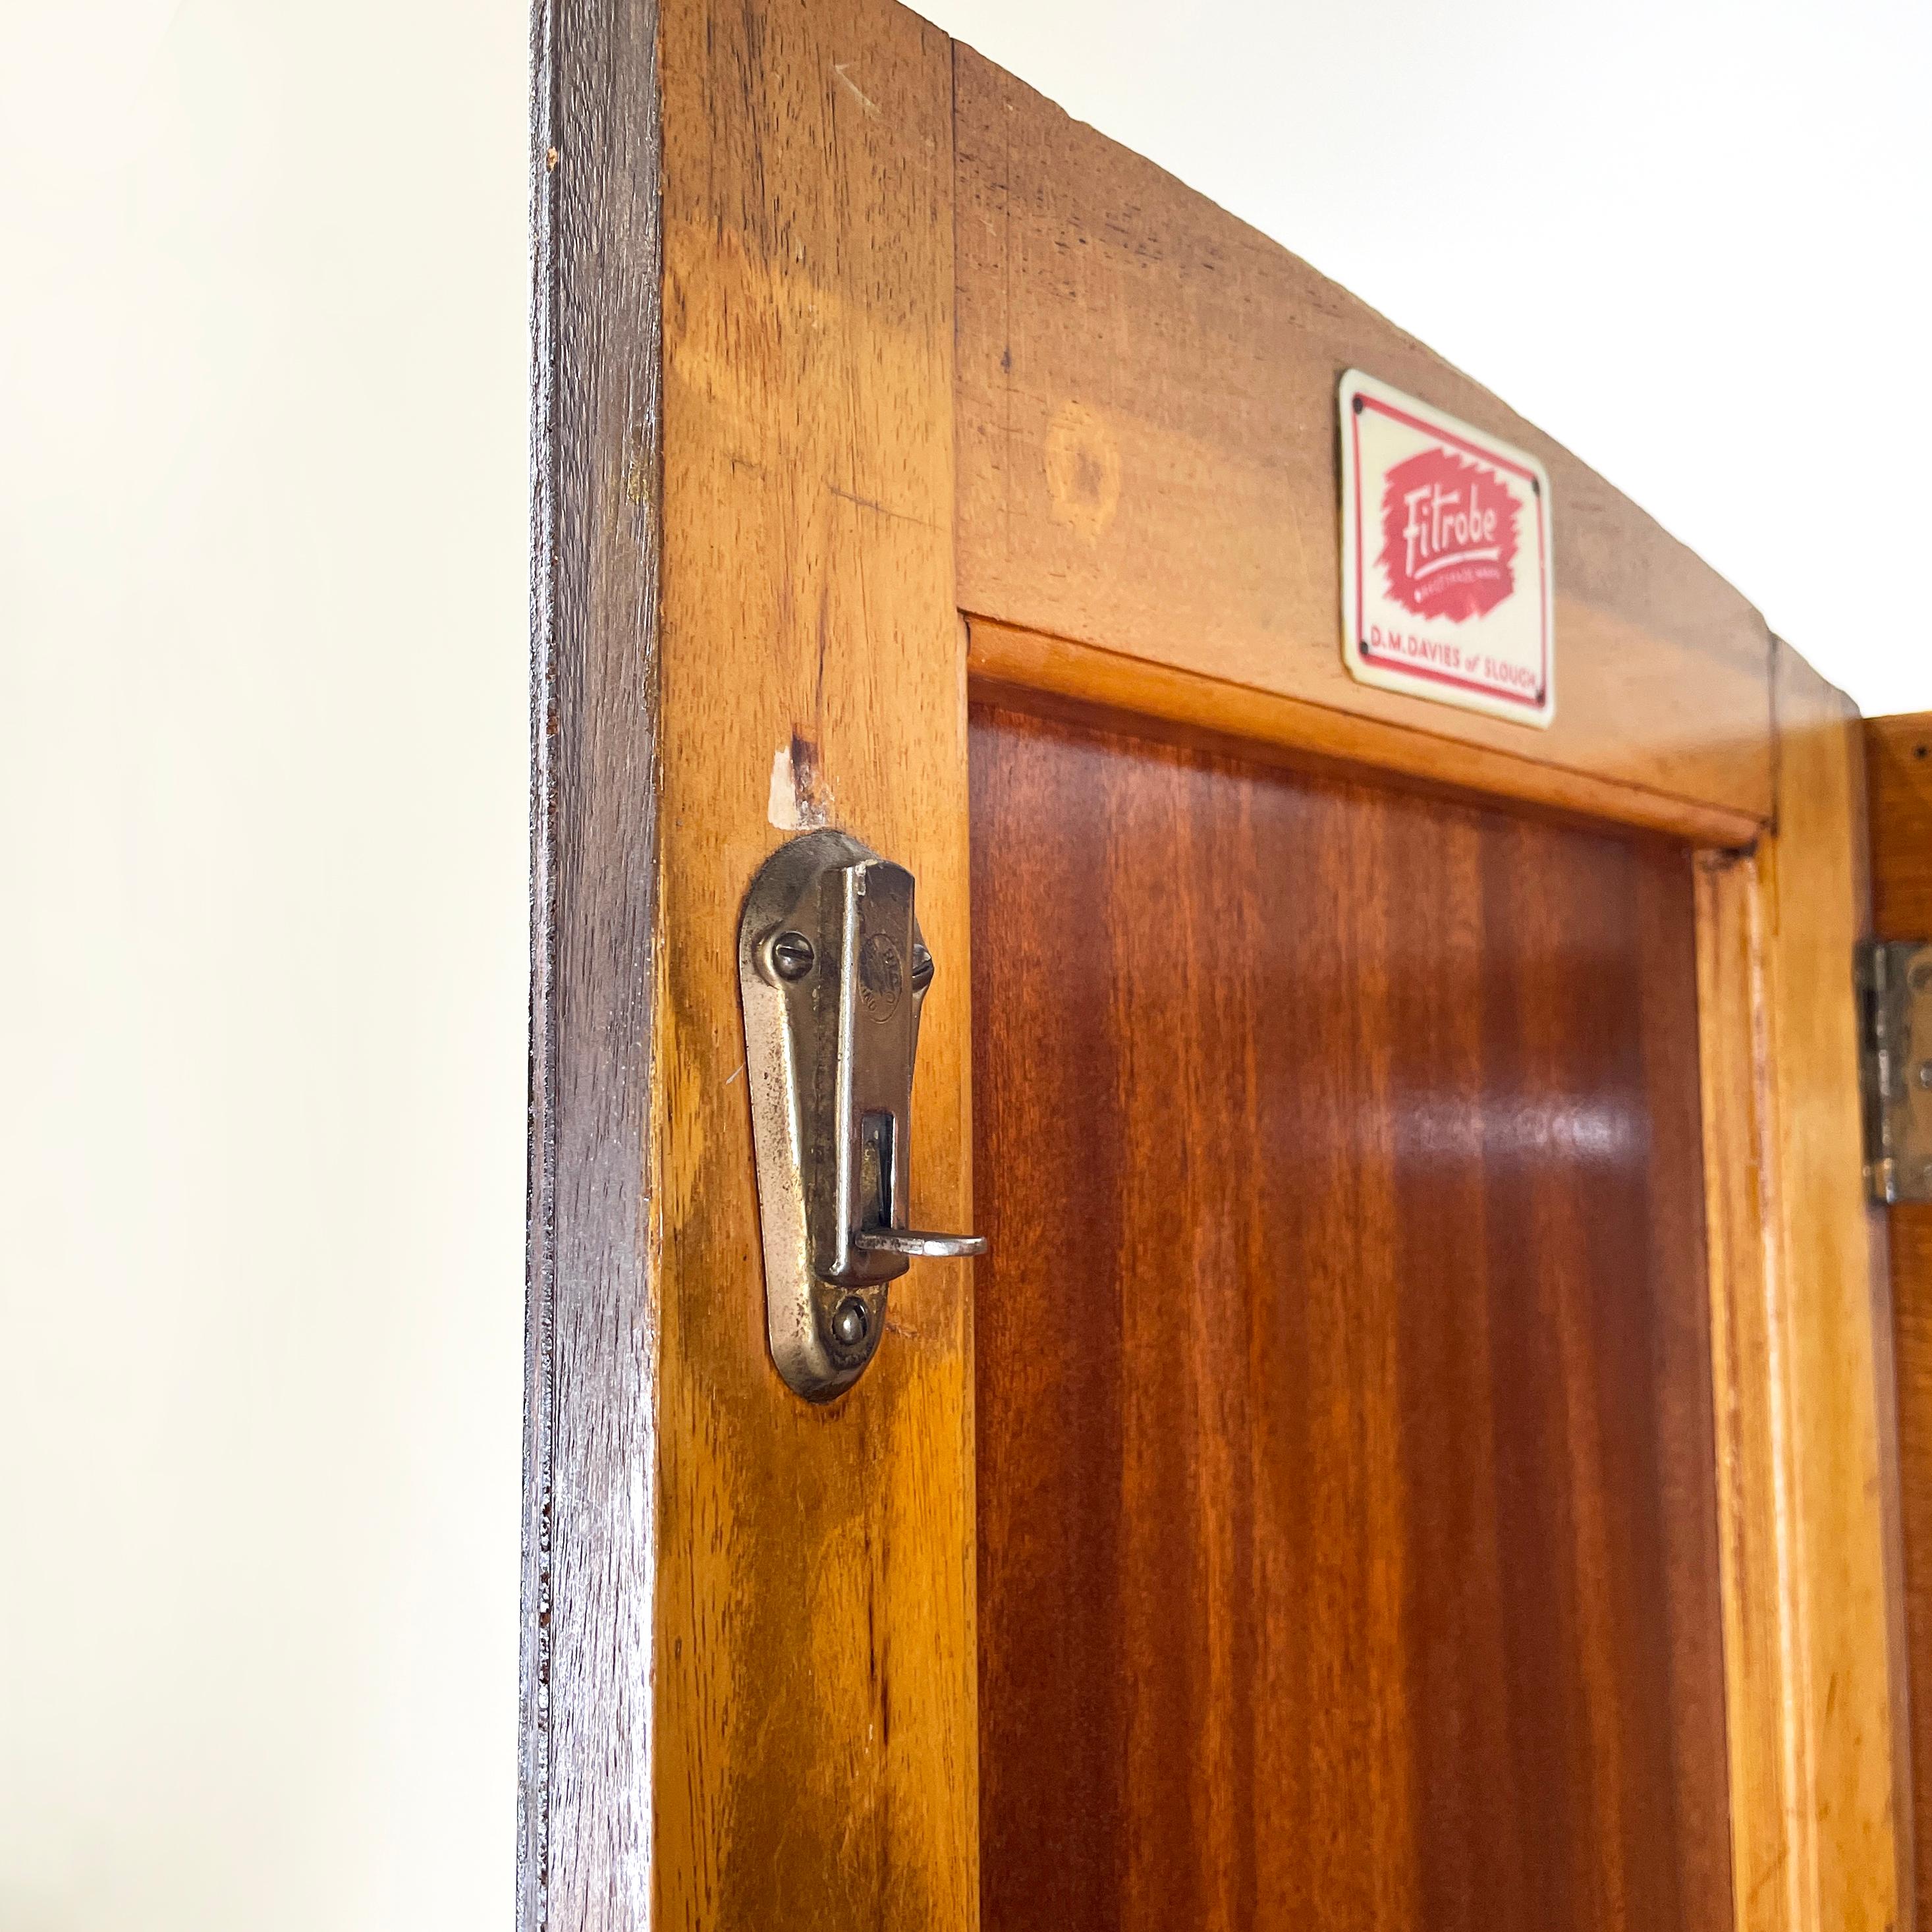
pixel 1446 588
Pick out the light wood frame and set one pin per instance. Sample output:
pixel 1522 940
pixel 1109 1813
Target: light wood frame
pixel 865 377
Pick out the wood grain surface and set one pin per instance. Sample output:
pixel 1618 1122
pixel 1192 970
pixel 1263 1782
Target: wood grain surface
pixel 1898 765
pixel 1773 1777
pixel 1898 752
pixel 1148 463
pixel 583 1839
pixel 1295 1058
pixel 1086 686
pixel 1850 1835
pixel 1348 1550
pixel 815 1762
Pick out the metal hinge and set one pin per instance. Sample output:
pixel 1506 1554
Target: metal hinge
pixel 1894 978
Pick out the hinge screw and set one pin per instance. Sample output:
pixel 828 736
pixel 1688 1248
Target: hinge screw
pixel 792 955
pixel 850 1321
pixel 1925 1073
pixel 922 967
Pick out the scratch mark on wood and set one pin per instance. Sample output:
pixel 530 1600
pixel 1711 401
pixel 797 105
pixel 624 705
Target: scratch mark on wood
pixel 851 87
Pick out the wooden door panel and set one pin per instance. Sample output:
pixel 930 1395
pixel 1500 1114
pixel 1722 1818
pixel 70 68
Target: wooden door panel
pixel 841 332
pixel 1347 1513
pixel 1148 463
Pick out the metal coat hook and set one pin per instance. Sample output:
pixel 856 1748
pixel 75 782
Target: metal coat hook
pixel 833 972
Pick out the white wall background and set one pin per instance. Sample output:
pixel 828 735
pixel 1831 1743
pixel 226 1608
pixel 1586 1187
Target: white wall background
pixel 1723 306
pixel 263 747
pixel 263 862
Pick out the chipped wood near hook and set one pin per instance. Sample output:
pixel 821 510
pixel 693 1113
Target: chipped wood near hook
pixel 814 1753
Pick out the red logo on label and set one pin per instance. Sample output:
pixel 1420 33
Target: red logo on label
pixel 1448 536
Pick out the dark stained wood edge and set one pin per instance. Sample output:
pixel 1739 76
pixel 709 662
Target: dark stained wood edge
pixel 590 1462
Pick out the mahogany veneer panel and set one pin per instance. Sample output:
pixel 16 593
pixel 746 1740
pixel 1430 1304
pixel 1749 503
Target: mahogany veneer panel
pixel 1348 1553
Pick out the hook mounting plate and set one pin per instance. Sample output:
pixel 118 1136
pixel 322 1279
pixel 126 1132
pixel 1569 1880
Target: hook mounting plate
pixel 833 972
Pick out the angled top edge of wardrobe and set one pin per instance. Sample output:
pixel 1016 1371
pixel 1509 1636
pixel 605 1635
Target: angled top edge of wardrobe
pixel 1148 464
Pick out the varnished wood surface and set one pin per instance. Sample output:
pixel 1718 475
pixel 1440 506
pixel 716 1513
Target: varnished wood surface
pixel 815 1762
pixel 1806 1464
pixel 1087 685
pixel 584 1813
pixel 1912 1330
pixel 1898 764
pixel 1828 1244
pixel 1773 1777
pixel 1148 464
pixel 748 1689
pixel 1347 1516
pixel 1898 753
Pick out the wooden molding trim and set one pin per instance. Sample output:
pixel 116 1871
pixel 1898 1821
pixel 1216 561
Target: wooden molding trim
pixel 1800 1354
pixel 1773 1835
pixel 1084 682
